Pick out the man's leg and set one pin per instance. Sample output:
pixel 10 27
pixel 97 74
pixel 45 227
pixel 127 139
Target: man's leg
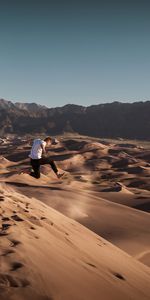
pixel 53 166
pixel 35 163
pixel 48 161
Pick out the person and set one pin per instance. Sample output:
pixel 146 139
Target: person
pixel 38 157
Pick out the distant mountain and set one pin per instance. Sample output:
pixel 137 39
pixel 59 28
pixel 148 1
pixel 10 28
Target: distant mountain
pixel 32 107
pixel 112 120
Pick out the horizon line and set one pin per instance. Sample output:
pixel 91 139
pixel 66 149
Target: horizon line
pixel 102 103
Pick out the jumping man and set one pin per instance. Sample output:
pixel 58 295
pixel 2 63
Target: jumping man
pixel 38 157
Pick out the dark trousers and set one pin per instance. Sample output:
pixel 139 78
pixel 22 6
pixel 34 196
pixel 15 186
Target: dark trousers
pixel 36 163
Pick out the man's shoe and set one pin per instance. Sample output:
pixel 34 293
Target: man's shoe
pixel 59 175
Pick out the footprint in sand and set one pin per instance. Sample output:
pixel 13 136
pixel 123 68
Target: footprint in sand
pixel 5 226
pixel 16 265
pixel 3 233
pixel 7 252
pixel 118 275
pixel 33 228
pixel 2 198
pixel 7 280
pixel 17 218
pixel 5 219
pixel 14 243
pixel 43 218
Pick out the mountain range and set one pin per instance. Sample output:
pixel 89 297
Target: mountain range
pixel 110 120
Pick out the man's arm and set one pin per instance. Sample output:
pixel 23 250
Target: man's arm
pixel 43 149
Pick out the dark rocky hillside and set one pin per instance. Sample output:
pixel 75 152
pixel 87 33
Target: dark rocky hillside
pixel 113 120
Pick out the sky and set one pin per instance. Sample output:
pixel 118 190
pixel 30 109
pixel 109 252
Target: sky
pixel 83 52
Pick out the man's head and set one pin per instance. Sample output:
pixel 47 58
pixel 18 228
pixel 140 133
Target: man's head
pixel 48 140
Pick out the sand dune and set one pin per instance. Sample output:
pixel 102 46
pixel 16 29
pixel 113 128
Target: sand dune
pixel 45 255
pixel 125 227
pixel 95 176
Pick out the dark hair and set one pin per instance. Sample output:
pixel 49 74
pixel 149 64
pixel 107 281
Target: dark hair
pixel 48 139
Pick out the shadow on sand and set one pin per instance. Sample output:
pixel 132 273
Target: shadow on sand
pixel 20 184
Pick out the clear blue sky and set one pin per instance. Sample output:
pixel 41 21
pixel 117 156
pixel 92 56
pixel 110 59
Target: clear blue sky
pixel 82 52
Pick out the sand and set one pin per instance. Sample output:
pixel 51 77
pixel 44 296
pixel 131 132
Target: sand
pixel 45 255
pixel 86 236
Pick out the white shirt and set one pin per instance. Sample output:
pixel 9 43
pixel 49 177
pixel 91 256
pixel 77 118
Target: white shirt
pixel 36 151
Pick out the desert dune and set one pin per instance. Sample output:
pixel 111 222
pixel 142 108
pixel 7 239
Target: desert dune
pixel 106 189
pixel 45 255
